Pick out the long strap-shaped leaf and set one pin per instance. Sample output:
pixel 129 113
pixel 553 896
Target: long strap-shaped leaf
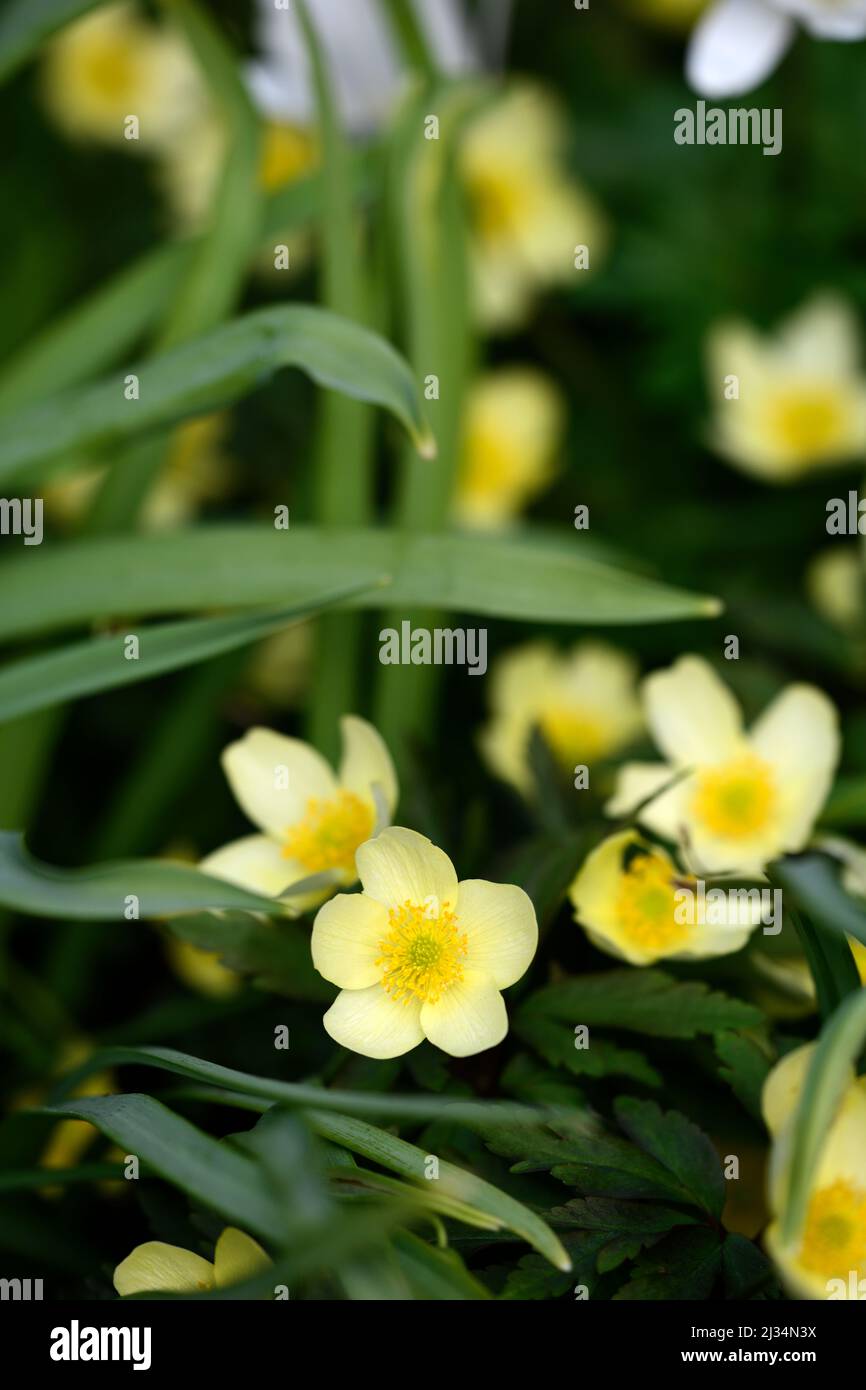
pixel 238 566
pixel 213 371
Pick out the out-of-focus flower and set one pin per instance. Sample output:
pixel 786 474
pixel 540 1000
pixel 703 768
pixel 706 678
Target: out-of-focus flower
pixel 835 584
pixel 739 42
pixel 196 470
pixel 668 14
pixel 583 701
pixel 69 1139
pixel 799 401
pixel 827 1258
pixel 735 800
pixel 625 897
pixel 362 54
pixel 527 214
pixel 201 970
pixel 418 955
pixel 279 670
pixel 159 1268
pixel 312 819
pixel 113 64
pixel 512 432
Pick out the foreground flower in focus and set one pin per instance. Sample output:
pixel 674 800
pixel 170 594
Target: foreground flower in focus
pixel 739 42
pixel 418 955
pixel 113 64
pixel 802 394
pixel 735 801
pixel 625 896
pixel 526 214
pixel 827 1258
pixel 584 702
pixel 159 1268
pixel 312 819
pixel 512 432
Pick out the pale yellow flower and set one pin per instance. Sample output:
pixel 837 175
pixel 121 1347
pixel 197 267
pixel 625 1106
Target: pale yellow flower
pixel 159 1268
pixel 735 800
pixel 201 970
pixel 197 470
pixel 113 64
pixel 312 820
pixel 418 955
pixel 624 896
pixel 527 214
pixel 802 393
pixel 512 432
pixel 835 583
pixel 827 1257
pixel 584 702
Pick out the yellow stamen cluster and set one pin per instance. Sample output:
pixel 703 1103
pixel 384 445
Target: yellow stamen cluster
pixel 494 202
pixel 423 953
pixel 645 904
pixel 287 154
pixel 834 1240
pixel 572 735
pixel 808 423
pixel 736 799
pixel 330 832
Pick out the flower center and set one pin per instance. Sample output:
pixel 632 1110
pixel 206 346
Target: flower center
pixel 287 154
pixel 737 799
pixel 422 955
pixel 834 1240
pixel 111 68
pixel 572 735
pixel 809 422
pixel 330 832
pixel 645 904
pixel 495 203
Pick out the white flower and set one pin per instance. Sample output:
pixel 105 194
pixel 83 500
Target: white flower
pixel 362 54
pixel 739 42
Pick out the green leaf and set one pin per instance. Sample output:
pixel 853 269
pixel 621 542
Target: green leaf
pixel 679 1146
pixel 645 1001
pixel 683 1267
pixel 433 1273
pixel 213 371
pixel 276 954
pixel 813 882
pixel 745 1063
pixel 211 1173
pixel 627 1226
pixel 747 1271
pixel 100 893
pixel 554 1041
pixel 239 566
pixel 27 23
pixel 100 663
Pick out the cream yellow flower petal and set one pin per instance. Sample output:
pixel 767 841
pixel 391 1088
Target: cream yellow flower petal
pixel 799 736
pixel 499 922
pixel 693 716
pixel 469 1017
pixel 274 777
pixel 366 761
pixel 369 1021
pixel 784 1086
pixel 595 887
pixel 401 866
pixel 347 938
pixel 635 783
pixel 821 337
pixel 253 862
pixel 159 1268
pixel 237 1257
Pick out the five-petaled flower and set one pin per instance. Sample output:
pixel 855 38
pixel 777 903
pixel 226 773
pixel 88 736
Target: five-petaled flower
pixel 418 955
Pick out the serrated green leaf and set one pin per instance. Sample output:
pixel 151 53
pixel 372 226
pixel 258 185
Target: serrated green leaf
pixel 682 1267
pixel 747 1271
pixel 555 1042
pixel 745 1064
pixel 676 1143
pixel 645 1001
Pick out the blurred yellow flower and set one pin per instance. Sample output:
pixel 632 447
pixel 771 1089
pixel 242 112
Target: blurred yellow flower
pixel 734 801
pixel 201 970
pixel 69 1139
pixel 280 666
pixel 159 1268
pixel 792 403
pixel 418 955
pixel 584 702
pixel 827 1258
pixel 835 583
pixel 669 14
pixel 196 470
pixel 114 64
pixel 312 819
pixel 512 432
pixel 527 214
pixel 624 896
